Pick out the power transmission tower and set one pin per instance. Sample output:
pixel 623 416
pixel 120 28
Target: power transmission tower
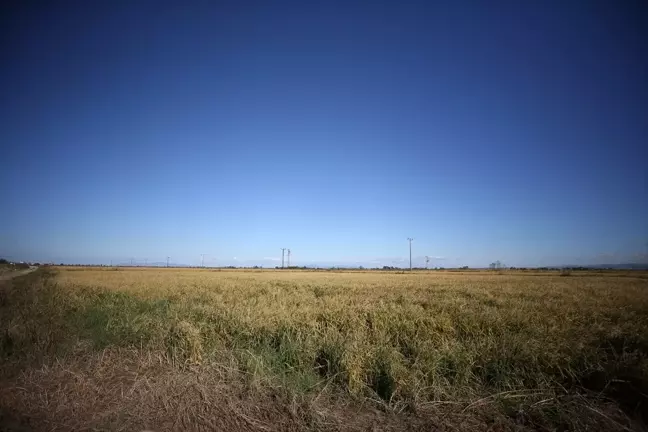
pixel 288 258
pixel 131 262
pixel 168 261
pixel 427 260
pixel 282 257
pixel 410 239
pixel 202 260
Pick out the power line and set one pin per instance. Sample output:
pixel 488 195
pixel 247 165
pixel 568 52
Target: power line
pixel 410 239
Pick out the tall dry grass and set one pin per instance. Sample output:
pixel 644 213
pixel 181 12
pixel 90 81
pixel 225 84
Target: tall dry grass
pixel 406 342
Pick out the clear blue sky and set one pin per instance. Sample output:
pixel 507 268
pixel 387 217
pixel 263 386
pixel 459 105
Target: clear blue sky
pixel 502 130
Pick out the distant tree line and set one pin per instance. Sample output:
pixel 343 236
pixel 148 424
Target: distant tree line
pixel 20 265
pixel 497 265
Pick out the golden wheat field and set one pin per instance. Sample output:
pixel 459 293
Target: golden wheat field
pixel 202 349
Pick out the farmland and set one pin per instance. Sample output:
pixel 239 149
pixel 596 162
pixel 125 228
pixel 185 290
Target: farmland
pixel 201 349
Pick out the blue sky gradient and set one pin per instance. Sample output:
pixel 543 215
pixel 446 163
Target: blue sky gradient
pixel 485 130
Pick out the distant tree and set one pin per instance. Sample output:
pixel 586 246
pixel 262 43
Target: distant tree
pixel 497 265
pixel 3 261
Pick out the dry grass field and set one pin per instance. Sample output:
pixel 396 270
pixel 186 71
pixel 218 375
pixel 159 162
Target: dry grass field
pixel 200 349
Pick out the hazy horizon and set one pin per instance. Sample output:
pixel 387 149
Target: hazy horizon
pixel 267 262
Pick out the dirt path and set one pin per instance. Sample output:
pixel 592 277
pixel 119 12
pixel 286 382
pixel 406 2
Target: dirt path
pixel 14 274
